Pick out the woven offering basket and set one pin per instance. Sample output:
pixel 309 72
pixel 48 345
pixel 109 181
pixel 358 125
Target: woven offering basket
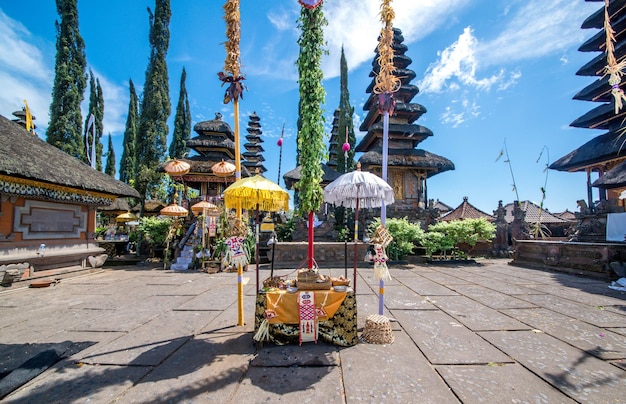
pixel 340 281
pixel 325 283
pixel 377 330
pixel 307 275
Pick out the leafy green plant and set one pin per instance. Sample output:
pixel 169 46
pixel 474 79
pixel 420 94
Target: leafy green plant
pixel 448 236
pixel 154 231
pixel 285 230
pixel 405 236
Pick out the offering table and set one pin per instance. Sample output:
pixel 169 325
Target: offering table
pixel 338 326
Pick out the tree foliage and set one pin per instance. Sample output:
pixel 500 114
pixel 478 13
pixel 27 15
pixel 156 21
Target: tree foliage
pixel 406 236
pixel 110 165
pixel 96 108
pixel 65 127
pixel 312 96
pixel 445 236
pixel 182 122
pixel 127 164
pixel 345 124
pixel 155 106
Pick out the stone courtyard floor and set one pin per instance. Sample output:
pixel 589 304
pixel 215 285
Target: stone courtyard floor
pixel 482 333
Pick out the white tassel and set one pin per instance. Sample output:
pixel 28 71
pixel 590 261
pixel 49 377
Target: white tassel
pixel 263 333
pixel 381 272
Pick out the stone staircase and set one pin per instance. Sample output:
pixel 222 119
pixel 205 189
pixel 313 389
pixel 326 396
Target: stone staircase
pixel 184 260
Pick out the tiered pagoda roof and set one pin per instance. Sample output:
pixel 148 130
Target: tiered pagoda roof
pixel 215 142
pixel 332 143
pixel 605 151
pixel 254 151
pixel 404 134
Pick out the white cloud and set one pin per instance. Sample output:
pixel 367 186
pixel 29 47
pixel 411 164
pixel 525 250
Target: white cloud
pixel 24 74
pixel 355 25
pixel 457 62
pixel 116 100
pixel 537 29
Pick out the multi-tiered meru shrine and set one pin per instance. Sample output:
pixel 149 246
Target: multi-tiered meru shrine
pixel 408 168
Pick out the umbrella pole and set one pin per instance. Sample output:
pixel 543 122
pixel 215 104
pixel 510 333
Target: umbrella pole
pixel 311 235
pixel 356 236
pixel 257 248
pixel 272 269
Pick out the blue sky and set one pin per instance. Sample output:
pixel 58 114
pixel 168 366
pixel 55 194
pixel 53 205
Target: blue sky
pixel 489 72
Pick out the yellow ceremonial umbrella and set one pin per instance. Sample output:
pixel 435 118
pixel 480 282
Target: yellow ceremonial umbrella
pixel 126 217
pixel 256 193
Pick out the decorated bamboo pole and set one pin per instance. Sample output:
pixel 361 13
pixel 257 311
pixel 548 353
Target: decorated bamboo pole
pixel 386 84
pixel 232 76
pixel 312 96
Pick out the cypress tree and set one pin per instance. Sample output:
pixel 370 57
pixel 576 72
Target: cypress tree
pixel 155 106
pixel 345 123
pixel 65 127
pixel 110 166
pixel 127 164
pixel 182 122
pixel 96 107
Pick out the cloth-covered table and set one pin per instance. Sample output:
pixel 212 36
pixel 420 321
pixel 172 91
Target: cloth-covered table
pixel 339 327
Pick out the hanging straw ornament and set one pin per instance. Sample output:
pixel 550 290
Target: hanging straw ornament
pixel 613 69
pixel 232 63
pixel 386 82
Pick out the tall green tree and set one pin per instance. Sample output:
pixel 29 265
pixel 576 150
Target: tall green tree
pixel 127 164
pixel 155 105
pixel 96 108
pixel 345 123
pixel 65 127
pixel 110 166
pixel 182 122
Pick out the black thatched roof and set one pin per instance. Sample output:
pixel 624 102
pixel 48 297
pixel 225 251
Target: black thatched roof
pixel 596 20
pixel 24 155
pixel 597 150
pixel 293 176
pixel 416 158
pixel 614 178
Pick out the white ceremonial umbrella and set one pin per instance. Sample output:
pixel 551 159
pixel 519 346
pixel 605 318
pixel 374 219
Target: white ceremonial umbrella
pixel 358 189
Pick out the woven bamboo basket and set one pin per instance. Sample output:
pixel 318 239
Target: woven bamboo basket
pixel 321 282
pixel 377 330
pixel 340 281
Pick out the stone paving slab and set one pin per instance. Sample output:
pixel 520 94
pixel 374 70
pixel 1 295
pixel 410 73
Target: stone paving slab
pixel 68 382
pixel 291 385
pixel 500 286
pixel 504 383
pixel 214 299
pixel 400 297
pixel 206 368
pixel 568 292
pixel 441 276
pixel 426 287
pixel 591 314
pixel 444 340
pixel 491 298
pixel 594 340
pixel 309 354
pixel 395 373
pixel 476 316
pixel 113 320
pixel 226 320
pixel 151 343
pixel 581 376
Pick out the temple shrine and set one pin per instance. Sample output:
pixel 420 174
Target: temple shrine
pixel 215 143
pixel 408 167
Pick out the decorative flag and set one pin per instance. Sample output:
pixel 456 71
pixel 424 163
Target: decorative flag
pixel 29 118
pixel 91 151
pixel 310 3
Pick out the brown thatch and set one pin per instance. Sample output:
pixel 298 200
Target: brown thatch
pixel 416 158
pixel 600 149
pixel 118 205
pixel 215 126
pixel 466 211
pixel 26 156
